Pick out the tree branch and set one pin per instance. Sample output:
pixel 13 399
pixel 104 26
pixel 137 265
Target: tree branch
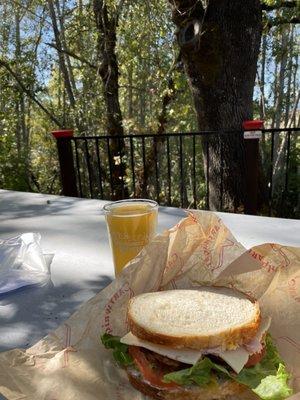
pixel 185 10
pixel 26 8
pixel 29 93
pixel 283 4
pixel 35 181
pixel 50 187
pixel 282 21
pixel 73 55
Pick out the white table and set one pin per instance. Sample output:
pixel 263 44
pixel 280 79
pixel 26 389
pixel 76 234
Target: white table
pixel 74 230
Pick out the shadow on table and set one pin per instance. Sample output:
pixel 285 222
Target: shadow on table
pixel 16 205
pixel 172 211
pixel 31 313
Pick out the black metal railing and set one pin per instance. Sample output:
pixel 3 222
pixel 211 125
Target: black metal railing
pixel 177 174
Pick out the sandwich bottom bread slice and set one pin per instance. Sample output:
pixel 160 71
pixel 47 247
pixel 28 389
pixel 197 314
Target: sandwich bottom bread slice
pixel 206 344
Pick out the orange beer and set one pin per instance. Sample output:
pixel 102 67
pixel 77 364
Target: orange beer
pixel 131 225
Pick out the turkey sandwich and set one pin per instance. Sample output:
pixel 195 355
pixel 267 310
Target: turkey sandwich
pixel 206 344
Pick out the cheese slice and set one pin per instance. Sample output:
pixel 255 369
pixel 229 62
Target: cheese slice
pixel 238 358
pixel 235 358
pixel 187 356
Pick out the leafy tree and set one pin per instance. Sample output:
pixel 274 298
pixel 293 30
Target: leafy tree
pixel 52 75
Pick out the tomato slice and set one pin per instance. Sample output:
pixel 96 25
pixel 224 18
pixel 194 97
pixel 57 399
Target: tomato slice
pixel 255 358
pixel 153 376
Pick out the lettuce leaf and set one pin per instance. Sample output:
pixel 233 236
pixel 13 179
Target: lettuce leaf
pixel 274 387
pixel 200 373
pixel 120 350
pixel 268 379
pixel 269 365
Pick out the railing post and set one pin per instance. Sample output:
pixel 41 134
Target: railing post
pixel 252 134
pixel 66 162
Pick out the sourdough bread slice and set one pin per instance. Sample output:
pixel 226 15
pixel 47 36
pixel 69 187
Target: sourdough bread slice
pixel 198 319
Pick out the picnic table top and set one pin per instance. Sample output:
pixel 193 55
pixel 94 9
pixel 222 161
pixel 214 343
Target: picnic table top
pixel 74 231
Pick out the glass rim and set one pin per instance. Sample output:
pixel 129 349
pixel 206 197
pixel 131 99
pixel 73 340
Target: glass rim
pixel 109 206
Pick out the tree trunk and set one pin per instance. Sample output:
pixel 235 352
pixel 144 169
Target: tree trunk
pixel 219 47
pixel 281 78
pixel 61 56
pixel 152 156
pixel 142 96
pixel 279 145
pixel 130 92
pixel 80 115
pixel 106 22
pixel 20 94
pixel 288 95
pixel 292 121
pixel 295 84
pixel 275 93
pixel 262 77
pixel 262 108
pixel 263 162
pixel 64 46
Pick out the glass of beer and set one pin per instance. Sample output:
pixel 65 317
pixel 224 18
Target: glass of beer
pixel 131 224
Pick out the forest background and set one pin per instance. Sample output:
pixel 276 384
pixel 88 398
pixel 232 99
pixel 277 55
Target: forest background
pixel 49 78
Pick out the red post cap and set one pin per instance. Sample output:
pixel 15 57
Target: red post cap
pixel 253 125
pixel 63 133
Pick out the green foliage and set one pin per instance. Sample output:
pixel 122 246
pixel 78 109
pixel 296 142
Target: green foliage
pixel 9 179
pixel 147 55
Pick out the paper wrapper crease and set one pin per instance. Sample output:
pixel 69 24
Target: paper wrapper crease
pixel 71 363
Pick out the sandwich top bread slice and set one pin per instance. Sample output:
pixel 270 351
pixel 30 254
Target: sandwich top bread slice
pixel 209 343
pixel 197 319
